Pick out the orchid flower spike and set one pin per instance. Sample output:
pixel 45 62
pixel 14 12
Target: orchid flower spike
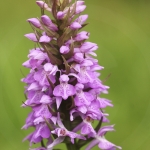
pixel 63 88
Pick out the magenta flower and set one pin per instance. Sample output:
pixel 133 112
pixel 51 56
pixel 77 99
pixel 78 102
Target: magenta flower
pixel 101 141
pixel 62 132
pixel 63 88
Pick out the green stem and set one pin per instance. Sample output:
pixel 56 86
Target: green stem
pixel 71 146
pixel 42 143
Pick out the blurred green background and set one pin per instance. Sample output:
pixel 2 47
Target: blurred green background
pixel 121 28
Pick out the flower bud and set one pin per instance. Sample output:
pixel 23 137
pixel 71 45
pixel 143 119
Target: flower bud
pixel 35 22
pixel 81 19
pixel 31 36
pixel 60 15
pixel 47 21
pixel 80 9
pixel 75 25
pixel 64 49
pixel 42 5
pixel 45 39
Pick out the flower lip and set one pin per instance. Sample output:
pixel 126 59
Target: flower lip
pixel 60 15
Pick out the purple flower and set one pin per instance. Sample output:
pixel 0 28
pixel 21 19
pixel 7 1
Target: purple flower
pixel 41 77
pixel 29 121
pixel 80 8
pixel 62 132
pixel 82 36
pixel 35 22
pixel 75 25
pixel 82 98
pixel 31 36
pixel 50 69
pixel 82 19
pixel 101 141
pixel 42 130
pixel 64 49
pixel 47 22
pixel 42 4
pixel 85 75
pixel 34 97
pixel 63 88
pixel 86 127
pixel 45 39
pixel 42 111
pixel 60 15
pixel 104 102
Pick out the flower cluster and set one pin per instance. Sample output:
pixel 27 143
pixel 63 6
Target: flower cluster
pixel 63 87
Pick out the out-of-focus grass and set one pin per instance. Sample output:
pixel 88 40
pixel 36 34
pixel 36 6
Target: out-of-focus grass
pixel 121 28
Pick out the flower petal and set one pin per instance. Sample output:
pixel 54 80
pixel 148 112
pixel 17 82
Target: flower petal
pixel 35 22
pixel 31 36
pixel 45 39
pixel 75 25
pixel 106 145
pixel 56 142
pixel 64 90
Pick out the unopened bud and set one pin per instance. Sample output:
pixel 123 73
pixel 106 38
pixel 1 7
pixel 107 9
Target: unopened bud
pixel 43 5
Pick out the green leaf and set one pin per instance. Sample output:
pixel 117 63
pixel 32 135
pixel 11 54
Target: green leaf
pixel 54 60
pixel 53 50
pixel 84 26
pixel 63 37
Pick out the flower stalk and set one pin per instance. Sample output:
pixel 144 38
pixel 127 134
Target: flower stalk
pixel 63 87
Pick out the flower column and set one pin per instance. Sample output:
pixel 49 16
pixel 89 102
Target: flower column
pixel 63 85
